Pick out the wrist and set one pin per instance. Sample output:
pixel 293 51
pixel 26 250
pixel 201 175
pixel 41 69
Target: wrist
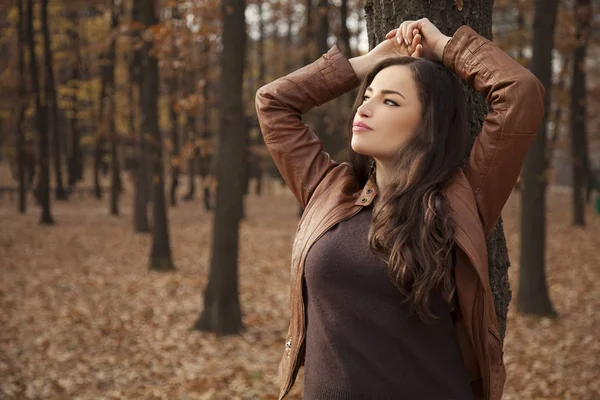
pixel 362 64
pixel 440 46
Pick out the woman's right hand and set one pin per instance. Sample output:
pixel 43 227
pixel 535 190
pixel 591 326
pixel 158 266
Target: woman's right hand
pixel 432 40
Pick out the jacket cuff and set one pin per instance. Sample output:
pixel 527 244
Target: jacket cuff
pixel 338 74
pixel 461 48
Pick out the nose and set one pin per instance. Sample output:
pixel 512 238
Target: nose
pixel 364 110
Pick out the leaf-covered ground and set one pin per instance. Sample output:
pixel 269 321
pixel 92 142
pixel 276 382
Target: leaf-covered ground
pixel 82 317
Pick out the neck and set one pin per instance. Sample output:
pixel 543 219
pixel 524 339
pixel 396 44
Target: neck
pixel 382 174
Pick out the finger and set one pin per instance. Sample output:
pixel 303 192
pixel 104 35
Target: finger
pixel 391 33
pixel 412 34
pixel 418 51
pixel 414 26
pixel 404 27
pixel 399 35
pixel 417 40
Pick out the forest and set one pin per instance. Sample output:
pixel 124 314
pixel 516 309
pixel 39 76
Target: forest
pixel 146 234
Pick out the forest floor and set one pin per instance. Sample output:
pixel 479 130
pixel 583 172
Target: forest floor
pixel 82 317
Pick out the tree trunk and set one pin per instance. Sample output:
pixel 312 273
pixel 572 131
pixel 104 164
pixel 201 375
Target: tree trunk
pixel 51 100
pixel 191 134
pixel 579 147
pixel 206 159
pixel 222 312
pixel 75 167
pixel 382 17
pixel 99 142
pixel 332 143
pixel 344 42
pixel 289 61
pixel 22 205
pixel 140 206
pixel 174 88
pixel 532 297
pixel 160 256
pixel 43 188
pixel 115 181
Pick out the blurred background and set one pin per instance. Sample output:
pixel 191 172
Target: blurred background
pixel 145 233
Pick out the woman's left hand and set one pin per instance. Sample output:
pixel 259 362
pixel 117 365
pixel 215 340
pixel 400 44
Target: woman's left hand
pixel 390 47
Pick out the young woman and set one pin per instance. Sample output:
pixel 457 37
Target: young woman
pixel 390 295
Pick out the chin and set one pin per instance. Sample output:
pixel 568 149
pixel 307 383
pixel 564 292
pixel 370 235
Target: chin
pixel 360 147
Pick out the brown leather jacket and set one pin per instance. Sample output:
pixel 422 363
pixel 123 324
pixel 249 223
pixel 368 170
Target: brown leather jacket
pixel 330 193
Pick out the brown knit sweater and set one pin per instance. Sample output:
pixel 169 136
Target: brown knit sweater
pixel 362 342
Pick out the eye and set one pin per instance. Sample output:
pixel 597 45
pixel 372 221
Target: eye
pixel 386 100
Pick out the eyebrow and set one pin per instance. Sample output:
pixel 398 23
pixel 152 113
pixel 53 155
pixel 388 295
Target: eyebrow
pixel 387 91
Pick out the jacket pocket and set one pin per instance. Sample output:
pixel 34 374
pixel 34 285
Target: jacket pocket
pixel 496 365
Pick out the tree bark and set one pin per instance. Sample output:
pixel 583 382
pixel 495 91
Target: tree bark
pixel 115 181
pixel 579 146
pixel 75 167
pixel 99 142
pixel 332 143
pixel 344 41
pixel 22 204
pixel 140 206
pixel 381 17
pixel 532 297
pixel 160 255
pixel 43 188
pixel 174 89
pixel 207 135
pixel 51 100
pixel 222 312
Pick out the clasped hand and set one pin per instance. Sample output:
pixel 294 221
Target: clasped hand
pixel 419 38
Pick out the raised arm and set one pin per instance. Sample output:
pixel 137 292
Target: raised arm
pixel 515 97
pixel 296 150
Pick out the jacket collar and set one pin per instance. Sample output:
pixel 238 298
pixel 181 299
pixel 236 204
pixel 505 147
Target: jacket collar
pixel 368 193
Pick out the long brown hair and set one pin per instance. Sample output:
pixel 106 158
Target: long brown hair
pixel 413 232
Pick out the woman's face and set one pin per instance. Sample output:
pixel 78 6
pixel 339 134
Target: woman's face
pixel 391 109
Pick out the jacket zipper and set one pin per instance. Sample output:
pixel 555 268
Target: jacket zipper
pixel 300 339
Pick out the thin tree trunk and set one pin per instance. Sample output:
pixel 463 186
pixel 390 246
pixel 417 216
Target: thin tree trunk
pixel 222 312
pixel 344 32
pixel 308 33
pixel 115 181
pixel 532 297
pixel 332 144
pixel 175 170
pixel 174 88
pixel 99 142
pixel 140 206
pixel 43 188
pixel 579 147
pixel 22 106
pixel 51 100
pixel 190 130
pixel 191 134
pixel 289 61
pixel 160 255
pixel 207 135
pixel 74 163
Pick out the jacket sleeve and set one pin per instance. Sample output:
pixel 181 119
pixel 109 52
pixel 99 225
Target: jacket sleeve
pixel 515 97
pixel 296 150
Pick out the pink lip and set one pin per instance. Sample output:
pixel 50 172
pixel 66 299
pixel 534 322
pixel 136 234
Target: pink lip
pixel 360 127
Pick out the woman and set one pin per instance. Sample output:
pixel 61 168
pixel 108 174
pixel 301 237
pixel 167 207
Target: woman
pixel 390 295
